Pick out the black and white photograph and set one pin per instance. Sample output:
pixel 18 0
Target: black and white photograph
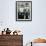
pixel 23 10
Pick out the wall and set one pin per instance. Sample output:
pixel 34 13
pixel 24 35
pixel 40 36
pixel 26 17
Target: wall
pixel 39 18
pixel 7 18
pixel 31 30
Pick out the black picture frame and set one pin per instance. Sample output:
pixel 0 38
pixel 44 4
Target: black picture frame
pixel 27 8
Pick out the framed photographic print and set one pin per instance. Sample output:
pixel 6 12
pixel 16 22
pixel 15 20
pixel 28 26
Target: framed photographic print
pixel 23 10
